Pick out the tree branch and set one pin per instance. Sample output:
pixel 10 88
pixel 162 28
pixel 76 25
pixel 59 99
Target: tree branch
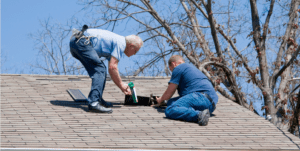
pixel 199 7
pixel 169 31
pixel 213 30
pixel 238 96
pixel 202 41
pixel 292 16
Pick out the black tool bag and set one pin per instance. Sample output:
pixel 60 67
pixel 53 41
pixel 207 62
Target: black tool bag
pixel 144 101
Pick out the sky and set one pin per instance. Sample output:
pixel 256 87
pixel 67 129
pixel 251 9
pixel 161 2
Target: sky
pixel 19 18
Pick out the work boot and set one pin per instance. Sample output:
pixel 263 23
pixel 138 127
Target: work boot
pixel 99 108
pixel 203 117
pixel 106 104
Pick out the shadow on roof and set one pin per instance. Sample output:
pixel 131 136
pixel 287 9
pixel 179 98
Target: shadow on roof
pixel 81 105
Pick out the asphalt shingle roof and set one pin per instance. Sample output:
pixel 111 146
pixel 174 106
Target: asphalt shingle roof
pixel 37 112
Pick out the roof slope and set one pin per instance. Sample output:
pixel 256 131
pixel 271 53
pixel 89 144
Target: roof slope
pixel 37 112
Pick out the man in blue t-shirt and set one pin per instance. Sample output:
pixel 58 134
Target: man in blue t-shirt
pixel 197 97
pixel 91 48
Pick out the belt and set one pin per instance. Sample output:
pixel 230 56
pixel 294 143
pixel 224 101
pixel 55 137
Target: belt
pixel 78 35
pixel 87 42
pixel 209 98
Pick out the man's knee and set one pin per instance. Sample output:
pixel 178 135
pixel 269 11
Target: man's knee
pixel 170 110
pixel 172 100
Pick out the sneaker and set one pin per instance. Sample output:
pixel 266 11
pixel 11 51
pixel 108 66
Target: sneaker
pixel 99 108
pixel 106 104
pixel 203 117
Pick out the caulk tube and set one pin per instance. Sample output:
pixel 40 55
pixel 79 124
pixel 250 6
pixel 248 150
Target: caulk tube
pixel 133 92
pixel 84 28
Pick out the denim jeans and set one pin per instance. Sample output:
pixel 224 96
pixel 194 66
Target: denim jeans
pixel 95 67
pixel 187 108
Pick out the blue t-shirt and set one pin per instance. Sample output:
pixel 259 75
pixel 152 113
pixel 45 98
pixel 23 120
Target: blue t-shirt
pixel 190 79
pixel 107 43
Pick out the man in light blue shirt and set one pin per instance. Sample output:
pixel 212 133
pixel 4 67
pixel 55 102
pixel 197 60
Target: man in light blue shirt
pixel 107 43
pixel 91 48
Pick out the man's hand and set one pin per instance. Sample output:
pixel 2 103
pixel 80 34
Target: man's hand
pixel 167 95
pixel 114 74
pixel 125 89
pixel 159 102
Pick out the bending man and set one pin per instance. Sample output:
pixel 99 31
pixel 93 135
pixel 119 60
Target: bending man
pixel 197 97
pixel 94 44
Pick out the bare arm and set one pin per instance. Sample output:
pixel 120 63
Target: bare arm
pixel 115 76
pixel 168 93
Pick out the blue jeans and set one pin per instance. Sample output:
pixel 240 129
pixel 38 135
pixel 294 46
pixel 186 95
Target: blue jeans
pixel 93 65
pixel 187 108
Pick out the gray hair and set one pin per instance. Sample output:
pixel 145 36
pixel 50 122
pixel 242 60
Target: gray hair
pixel 135 40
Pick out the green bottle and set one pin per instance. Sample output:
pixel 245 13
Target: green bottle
pixel 133 92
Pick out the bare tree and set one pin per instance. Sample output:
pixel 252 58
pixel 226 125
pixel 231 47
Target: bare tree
pixel 52 43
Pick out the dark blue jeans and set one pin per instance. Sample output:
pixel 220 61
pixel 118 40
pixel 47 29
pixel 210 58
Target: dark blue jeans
pixel 187 108
pixel 95 67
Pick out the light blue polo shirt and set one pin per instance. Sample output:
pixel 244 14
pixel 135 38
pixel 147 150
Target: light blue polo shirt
pixel 107 43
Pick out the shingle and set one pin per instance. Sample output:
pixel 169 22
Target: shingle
pixel 36 111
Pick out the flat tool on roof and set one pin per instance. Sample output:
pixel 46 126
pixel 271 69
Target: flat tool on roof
pixel 77 95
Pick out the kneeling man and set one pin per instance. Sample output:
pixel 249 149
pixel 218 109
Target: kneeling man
pixel 197 97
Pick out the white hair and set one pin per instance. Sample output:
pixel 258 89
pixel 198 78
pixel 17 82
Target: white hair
pixel 135 40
